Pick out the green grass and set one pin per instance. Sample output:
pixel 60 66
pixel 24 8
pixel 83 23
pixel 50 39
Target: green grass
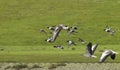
pixel 49 54
pixel 20 21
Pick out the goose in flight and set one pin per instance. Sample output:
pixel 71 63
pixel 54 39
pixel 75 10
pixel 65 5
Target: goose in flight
pixel 51 28
pixel 55 33
pixel 72 30
pixel 109 30
pixel 81 40
pixel 65 27
pixel 43 31
pixel 90 50
pixel 107 53
pixel 58 46
pixel 70 42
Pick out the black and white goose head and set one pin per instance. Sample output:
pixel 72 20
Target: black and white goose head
pixel 90 49
pixel 74 27
pixel 106 54
pixel 49 40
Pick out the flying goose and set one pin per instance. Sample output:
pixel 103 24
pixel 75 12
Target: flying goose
pixel 71 31
pixel 65 27
pixel 55 33
pixel 106 54
pixel 81 40
pixel 109 30
pixel 43 31
pixel 70 42
pixel 90 50
pixel 51 28
pixel 58 46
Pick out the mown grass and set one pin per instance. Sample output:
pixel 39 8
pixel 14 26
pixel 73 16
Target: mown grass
pixel 20 21
pixel 45 54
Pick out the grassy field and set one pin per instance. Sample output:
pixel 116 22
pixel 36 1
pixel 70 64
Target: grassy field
pixel 21 20
pixel 47 54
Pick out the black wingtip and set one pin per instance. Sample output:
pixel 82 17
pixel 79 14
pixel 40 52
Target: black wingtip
pixel 89 44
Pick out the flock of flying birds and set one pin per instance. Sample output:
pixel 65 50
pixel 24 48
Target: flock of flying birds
pixel 90 49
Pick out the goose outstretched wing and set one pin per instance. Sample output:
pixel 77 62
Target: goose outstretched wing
pixel 94 48
pixel 88 49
